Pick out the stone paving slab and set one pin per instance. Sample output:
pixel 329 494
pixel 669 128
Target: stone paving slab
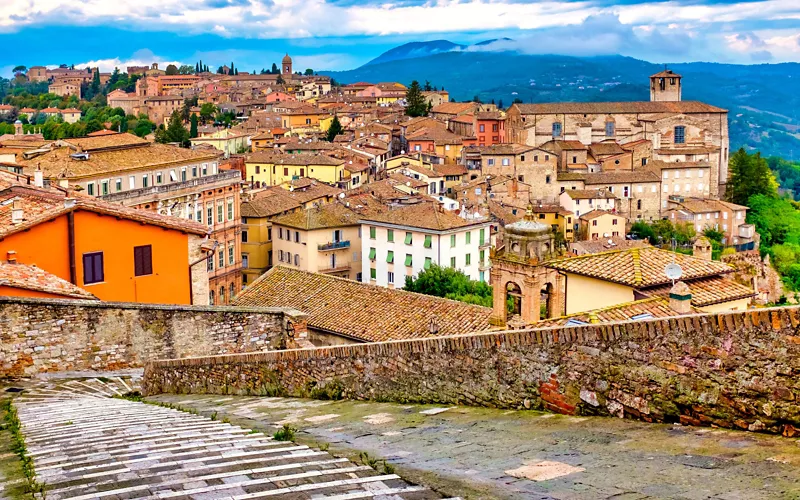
pixel 86 444
pixel 484 453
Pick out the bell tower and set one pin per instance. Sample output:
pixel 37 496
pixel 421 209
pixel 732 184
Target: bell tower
pixel 286 65
pixel 665 86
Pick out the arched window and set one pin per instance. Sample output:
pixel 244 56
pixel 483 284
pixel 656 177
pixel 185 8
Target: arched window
pixel 232 292
pixel 222 294
pixel 211 297
pixel 638 204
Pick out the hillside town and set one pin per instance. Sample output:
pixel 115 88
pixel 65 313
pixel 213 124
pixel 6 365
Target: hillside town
pixel 282 234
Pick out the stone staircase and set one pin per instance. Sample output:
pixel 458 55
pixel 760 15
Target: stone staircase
pixel 86 444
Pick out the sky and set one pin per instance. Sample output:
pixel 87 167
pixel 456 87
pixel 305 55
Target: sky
pixel 344 34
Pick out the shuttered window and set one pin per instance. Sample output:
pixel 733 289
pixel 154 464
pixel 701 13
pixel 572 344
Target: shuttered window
pixel 428 241
pixel 143 260
pixel 93 268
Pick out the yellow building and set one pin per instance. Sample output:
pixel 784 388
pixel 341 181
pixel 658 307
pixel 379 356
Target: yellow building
pixel 302 118
pixel 224 140
pixel 274 169
pixel 601 224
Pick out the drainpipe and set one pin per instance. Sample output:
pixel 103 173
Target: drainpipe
pixel 73 271
pixel 201 259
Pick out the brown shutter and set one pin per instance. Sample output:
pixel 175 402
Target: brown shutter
pixel 147 259
pixel 137 261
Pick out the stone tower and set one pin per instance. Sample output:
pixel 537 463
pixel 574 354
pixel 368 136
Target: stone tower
pixel 702 248
pixel 519 279
pixel 18 127
pixel 286 65
pixel 665 86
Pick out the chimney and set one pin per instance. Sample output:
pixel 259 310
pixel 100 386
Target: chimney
pixel 38 177
pixel 702 248
pixel 69 202
pixel 680 298
pixel 17 215
pixel 11 256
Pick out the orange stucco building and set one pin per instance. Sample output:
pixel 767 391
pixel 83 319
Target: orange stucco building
pixel 113 252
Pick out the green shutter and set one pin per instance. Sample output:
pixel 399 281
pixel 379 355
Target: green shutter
pixel 373 274
pixel 390 257
pixel 481 238
pixel 469 237
pixel 408 238
pixel 372 233
pixel 452 241
pixel 453 262
pixel 428 262
pixel 469 259
pixel 482 257
pixel 428 241
pixel 372 254
pixel 390 235
pixel 408 260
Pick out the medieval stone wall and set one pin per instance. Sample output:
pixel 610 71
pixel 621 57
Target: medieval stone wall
pixel 737 370
pixel 45 335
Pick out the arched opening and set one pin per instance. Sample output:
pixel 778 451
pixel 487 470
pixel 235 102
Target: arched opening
pixel 513 299
pixel 547 303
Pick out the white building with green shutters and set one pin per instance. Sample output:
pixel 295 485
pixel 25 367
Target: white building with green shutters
pixel 403 241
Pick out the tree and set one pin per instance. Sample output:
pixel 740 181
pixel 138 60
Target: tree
pixel 517 100
pixel 415 102
pixel 19 69
pixel 197 67
pixel 750 176
pixel 185 69
pixel 279 80
pixel 427 87
pixel 450 283
pixel 230 71
pixel 175 131
pixel 207 111
pixel 115 76
pixel 335 129
pixel 476 99
pixel 220 71
pixel 500 104
pixel 274 70
pixel 193 127
pixel 95 88
pixel 309 72
pixel 171 69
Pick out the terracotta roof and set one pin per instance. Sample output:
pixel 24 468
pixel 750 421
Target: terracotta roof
pixel 708 291
pixel 292 159
pixel 703 205
pixel 698 150
pixel 628 177
pixel 666 165
pixel 601 245
pixel 571 145
pixel 17 275
pixel 598 213
pixel 269 206
pixel 667 73
pixel 437 135
pixel 41 205
pixel 502 149
pixel 453 108
pixel 328 215
pixel 102 132
pixel 408 180
pixel 428 216
pixel 654 307
pixel 449 169
pixel 605 149
pixel 469 119
pixel 587 194
pixel 360 311
pixel 638 267
pixel 96 143
pixel 631 107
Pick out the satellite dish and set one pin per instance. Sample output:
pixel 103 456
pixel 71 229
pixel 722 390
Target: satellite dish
pixel 610 242
pixel 606 235
pixel 673 271
pixel 341 196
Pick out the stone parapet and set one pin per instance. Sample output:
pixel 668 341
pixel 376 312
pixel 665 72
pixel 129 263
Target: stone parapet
pixel 735 370
pixel 46 335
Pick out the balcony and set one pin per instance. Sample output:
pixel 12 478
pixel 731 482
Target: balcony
pixel 343 268
pixel 334 245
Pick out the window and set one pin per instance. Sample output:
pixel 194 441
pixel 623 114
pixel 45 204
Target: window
pixel 482 237
pixel 372 253
pixel 145 181
pixel 231 258
pixel 245 260
pixel 574 159
pixel 482 256
pixel 390 257
pixel 143 260
pixel 244 236
pixel 222 295
pixel 557 129
pixel 610 129
pixel 467 259
pixel 469 237
pixel 390 235
pixel 428 241
pixel 625 191
pixel 159 179
pixel 482 128
pixel 452 241
pixel 506 162
pixel 700 173
pixel 428 262
pixel 285 171
pixel 105 187
pixel 372 232
pixel 269 234
pixel 453 262
pixel 232 291
pixel 194 171
pixel 211 297
pixel 638 204
pixel 90 189
pixel 118 185
pixel 409 238
pixel 490 162
pixel 614 222
pixel 373 273
pixel 280 255
pixel 547 179
pixel 172 176
pixel 220 216
pixel 297 259
pixel 297 236
pixel 409 260
pixel 93 268
pixel 594 222
pixel 221 257
pixel 210 214
pixel 230 208
pixel 280 233
pixel 390 277
pixel 132 182
pixel 478 191
pixel 210 262
pixel 205 168
pixel 680 134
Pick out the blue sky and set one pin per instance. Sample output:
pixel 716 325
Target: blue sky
pixel 343 34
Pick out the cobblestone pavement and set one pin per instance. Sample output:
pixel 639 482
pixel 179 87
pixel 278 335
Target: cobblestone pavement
pixel 86 444
pixel 484 453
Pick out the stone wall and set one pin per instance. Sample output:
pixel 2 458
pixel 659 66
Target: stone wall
pixel 739 370
pixel 45 335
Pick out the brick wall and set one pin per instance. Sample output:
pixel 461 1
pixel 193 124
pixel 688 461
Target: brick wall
pixel 43 335
pixel 739 370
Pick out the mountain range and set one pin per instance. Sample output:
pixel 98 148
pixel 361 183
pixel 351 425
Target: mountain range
pixel 763 100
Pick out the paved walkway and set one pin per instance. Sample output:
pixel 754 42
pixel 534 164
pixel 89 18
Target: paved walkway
pixel 87 445
pixel 484 453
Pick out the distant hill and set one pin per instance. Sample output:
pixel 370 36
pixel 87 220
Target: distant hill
pixel 763 100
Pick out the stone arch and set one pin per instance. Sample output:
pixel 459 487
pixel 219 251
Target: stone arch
pixel 513 294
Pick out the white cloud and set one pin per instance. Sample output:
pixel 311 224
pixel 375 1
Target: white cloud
pixel 139 58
